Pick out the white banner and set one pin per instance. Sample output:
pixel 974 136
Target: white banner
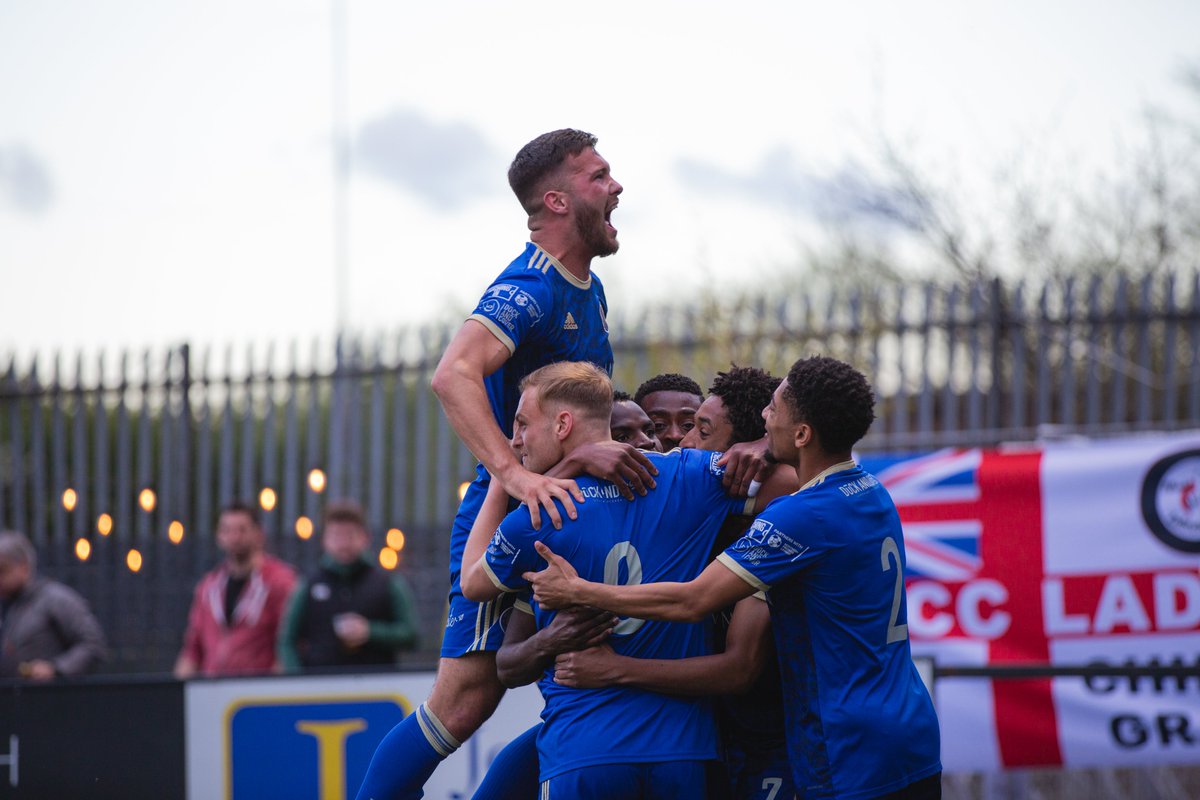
pixel 1069 554
pixel 1122 588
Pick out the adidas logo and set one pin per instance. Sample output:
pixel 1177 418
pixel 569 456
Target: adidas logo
pixel 569 323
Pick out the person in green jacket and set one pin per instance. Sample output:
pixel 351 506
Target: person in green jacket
pixel 349 614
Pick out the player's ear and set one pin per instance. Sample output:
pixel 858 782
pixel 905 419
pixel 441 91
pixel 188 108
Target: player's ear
pixel 556 202
pixel 564 423
pixel 804 435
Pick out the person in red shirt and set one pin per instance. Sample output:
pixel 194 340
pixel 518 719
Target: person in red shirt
pixel 237 607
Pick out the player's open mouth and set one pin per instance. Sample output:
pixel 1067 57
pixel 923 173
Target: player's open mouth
pixel 608 218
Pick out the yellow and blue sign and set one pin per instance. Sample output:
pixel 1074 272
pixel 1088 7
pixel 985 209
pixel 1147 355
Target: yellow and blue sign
pixel 309 749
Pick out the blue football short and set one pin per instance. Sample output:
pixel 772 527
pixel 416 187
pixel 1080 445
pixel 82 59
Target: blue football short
pixel 759 773
pixel 471 627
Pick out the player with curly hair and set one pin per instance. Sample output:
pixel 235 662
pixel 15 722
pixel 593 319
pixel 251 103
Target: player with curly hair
pixel 732 412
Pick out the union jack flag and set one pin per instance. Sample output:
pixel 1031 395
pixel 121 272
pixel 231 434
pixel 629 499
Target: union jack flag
pixel 937 496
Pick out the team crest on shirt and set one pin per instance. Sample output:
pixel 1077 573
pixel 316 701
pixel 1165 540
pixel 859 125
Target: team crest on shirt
pixel 764 537
pixel 505 302
pixel 714 467
pixel 500 548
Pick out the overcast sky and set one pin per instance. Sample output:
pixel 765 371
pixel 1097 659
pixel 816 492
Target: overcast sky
pixel 166 170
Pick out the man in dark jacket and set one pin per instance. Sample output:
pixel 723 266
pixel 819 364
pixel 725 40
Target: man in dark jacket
pixel 349 613
pixel 46 628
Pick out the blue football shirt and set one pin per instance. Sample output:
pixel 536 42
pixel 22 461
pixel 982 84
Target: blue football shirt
pixel 831 560
pixel 543 314
pixel 665 536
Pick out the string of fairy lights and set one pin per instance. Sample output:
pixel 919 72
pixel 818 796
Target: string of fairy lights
pixel 389 555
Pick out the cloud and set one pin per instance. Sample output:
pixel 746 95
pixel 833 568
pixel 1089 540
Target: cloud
pixel 850 195
pixel 448 165
pixel 24 180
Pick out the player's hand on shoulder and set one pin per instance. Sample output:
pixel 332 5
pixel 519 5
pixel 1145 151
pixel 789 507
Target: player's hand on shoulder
pixel 540 491
pixel 552 587
pixel 577 628
pixel 621 464
pixel 745 462
pixel 593 668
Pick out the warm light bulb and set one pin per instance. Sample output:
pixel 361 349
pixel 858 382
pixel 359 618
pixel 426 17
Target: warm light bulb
pixel 69 499
pixel 147 500
pixel 83 549
pixel 316 480
pixel 266 499
pixel 133 560
pixel 304 527
pixel 395 539
pixel 388 558
pixel 104 524
pixel 175 531
pixel 462 490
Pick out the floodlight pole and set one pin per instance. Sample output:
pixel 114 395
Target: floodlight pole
pixel 341 168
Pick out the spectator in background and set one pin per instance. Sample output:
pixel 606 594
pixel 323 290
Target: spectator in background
pixel 349 613
pixel 237 606
pixel 46 628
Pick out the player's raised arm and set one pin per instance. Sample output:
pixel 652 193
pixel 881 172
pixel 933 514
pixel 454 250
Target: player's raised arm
pixel 476 585
pixel 473 354
pixel 559 585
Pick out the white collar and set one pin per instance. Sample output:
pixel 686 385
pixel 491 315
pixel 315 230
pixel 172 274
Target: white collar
pixel 841 467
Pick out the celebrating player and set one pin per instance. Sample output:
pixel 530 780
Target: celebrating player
pixel 670 400
pixel 546 306
pixel 629 424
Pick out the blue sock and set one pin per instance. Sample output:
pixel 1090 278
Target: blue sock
pixel 406 758
pixel 513 773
